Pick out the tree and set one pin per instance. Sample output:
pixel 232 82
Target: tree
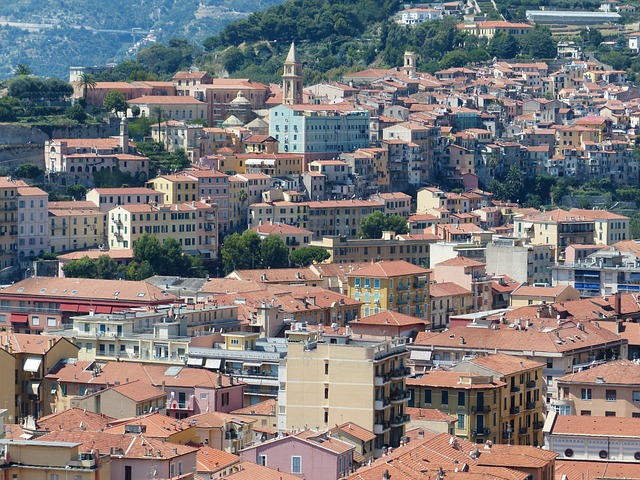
pixel 305 256
pixel 538 43
pixel 274 252
pixel 241 252
pixel 504 46
pixel 28 170
pixel 455 58
pixel 373 225
pixel 86 82
pixel 148 248
pixel 22 70
pixel 115 101
pixel 75 112
pixel 81 268
pixel 106 267
pixel 77 192
pixel 158 113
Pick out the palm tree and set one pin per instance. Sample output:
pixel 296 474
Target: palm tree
pixel 242 197
pixel 159 113
pixel 87 82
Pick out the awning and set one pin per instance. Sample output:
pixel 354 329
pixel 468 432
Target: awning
pixel 420 355
pixel 103 309
pixel 32 364
pixel 34 387
pixel 19 318
pixel 68 307
pixel 213 363
pixel 252 364
pixel 85 308
pixel 194 361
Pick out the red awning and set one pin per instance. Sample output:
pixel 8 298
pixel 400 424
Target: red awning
pixel 68 307
pixel 19 318
pixel 103 309
pixel 85 308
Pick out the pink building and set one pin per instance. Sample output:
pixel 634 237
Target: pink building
pixel 313 455
pixel 213 187
pixel 33 215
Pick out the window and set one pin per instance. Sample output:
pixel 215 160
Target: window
pixel 611 395
pixel 603 454
pixel 609 414
pixel 585 413
pixel 326 368
pixel 445 397
pixel 35 320
pixel 461 397
pixel 461 419
pixel 636 396
pixel 585 394
pixel 54 476
pixel 262 460
pixel 51 322
pixel 427 396
pixel 376 283
pixel 296 464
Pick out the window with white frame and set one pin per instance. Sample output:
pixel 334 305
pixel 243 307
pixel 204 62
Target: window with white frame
pixel 296 464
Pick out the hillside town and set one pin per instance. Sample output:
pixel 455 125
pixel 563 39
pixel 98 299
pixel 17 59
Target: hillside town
pixel 382 277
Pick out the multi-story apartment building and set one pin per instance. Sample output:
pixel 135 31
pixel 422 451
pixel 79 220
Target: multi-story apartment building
pixel 607 390
pixel 176 188
pixel 521 409
pixel 474 399
pixel 180 135
pixel 33 357
pixel 293 237
pixel 395 203
pixel 174 107
pixel 107 198
pixel 319 131
pixel 327 384
pixel 411 248
pixel 75 225
pixel 213 187
pixel 9 220
pixel 192 224
pixel 33 221
pixel 287 212
pixel 75 160
pixel 448 299
pixel 423 137
pixel 272 164
pixel 521 261
pixel 399 286
pixel 540 339
pixel 339 217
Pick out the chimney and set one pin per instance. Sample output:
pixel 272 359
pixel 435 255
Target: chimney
pixel 619 326
pixel 386 475
pixel 617 298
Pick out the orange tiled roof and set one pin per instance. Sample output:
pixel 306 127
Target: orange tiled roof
pixel 74 419
pixel 596 426
pixel 211 460
pixel 623 372
pixel 506 364
pixel 390 269
pixel 446 379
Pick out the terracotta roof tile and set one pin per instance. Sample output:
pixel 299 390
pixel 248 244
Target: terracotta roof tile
pixel 390 269
pixel 596 426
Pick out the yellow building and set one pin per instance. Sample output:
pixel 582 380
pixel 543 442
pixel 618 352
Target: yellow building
pixel 398 286
pixel 489 29
pixel 75 225
pixel 9 220
pixel 576 136
pixel 48 460
pixel 329 384
pixel 473 399
pixel 522 404
pixel 192 224
pixel 176 188
pixel 273 164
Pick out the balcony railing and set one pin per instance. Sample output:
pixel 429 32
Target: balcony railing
pixel 531 384
pixel 380 428
pixel 531 405
pixel 381 404
pixel 515 388
pixel 380 380
pixel 514 410
pixel 538 425
pixel 400 396
pixel 481 409
pixel 399 373
pixel 523 430
pixel 400 420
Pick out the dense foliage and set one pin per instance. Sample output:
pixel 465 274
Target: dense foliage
pixel 248 251
pixel 150 257
pixel 374 224
pixel 305 256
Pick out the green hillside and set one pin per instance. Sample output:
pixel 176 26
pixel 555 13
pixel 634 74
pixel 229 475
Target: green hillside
pixel 50 36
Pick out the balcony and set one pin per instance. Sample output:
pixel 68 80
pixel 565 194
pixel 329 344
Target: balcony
pixel 538 425
pixel 506 435
pixel 400 420
pixel 381 404
pixel 380 380
pixel 483 431
pixel 380 428
pixel 481 409
pixel 403 287
pixel 515 388
pixel 514 410
pixel 399 373
pixel 399 397
pixel 523 430
pixel 185 406
pixel 531 405
pixel 531 384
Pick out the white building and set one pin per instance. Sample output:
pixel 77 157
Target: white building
pixel 416 16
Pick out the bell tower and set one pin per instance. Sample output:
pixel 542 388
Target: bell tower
pixel 292 78
pixel 409 67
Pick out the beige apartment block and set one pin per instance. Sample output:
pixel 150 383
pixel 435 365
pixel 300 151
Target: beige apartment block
pixel 75 225
pixel 608 390
pixel 192 224
pixel 176 188
pixel 328 384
